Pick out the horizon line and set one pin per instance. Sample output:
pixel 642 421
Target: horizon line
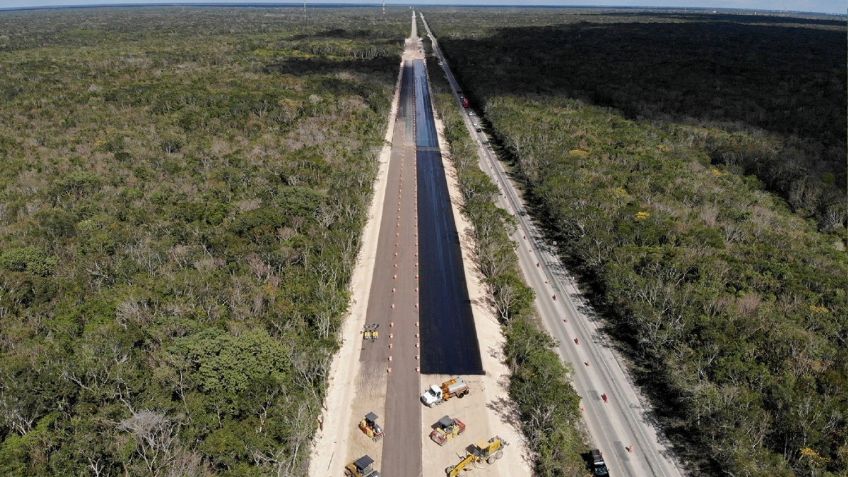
pixel 290 4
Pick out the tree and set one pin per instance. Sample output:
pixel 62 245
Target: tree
pixel 512 297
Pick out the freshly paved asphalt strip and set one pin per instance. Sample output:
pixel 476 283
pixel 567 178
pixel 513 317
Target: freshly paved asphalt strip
pixel 622 427
pixel 448 336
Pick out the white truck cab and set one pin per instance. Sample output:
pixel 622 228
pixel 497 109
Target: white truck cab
pixel 432 396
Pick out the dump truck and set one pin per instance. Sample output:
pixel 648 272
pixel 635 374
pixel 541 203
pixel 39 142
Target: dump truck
pixel 368 425
pixel 454 387
pixel 446 429
pixel 487 452
pixel 361 467
pixel 599 467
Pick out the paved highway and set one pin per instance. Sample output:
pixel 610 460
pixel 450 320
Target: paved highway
pixel 448 337
pixel 416 202
pixel 619 427
pixel 393 298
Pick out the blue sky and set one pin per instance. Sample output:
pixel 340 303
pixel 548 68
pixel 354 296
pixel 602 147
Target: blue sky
pixel 824 6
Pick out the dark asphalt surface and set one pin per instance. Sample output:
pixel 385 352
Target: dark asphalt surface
pixel 448 336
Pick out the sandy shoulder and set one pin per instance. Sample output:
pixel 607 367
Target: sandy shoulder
pixel 330 446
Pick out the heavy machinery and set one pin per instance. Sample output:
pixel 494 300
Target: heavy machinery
pixel 487 452
pixel 370 333
pixel 369 426
pixel 454 387
pixel 599 467
pixel 446 429
pixel 361 467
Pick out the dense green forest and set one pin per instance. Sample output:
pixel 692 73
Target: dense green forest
pixel 665 154
pixel 548 405
pixel 174 253
pixel 760 95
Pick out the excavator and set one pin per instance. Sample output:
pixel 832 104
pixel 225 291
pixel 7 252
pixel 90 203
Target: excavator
pixel 487 452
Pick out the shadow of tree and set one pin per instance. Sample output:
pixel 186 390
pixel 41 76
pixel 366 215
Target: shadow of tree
pixel 778 78
pixel 508 414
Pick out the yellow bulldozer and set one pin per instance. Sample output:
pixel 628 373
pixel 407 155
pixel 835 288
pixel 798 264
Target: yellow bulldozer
pixel 370 333
pixel 368 425
pixel 362 467
pixel 487 452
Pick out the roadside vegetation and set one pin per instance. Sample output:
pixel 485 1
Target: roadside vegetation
pixel 181 197
pixel 666 155
pixel 539 386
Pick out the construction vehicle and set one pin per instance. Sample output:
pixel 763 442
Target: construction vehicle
pixel 369 426
pixel 370 333
pixel 599 467
pixel 361 467
pixel 487 452
pixel 454 387
pixel 446 429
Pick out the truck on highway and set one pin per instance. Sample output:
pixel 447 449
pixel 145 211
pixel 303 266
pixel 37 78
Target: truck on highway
pixel 454 387
pixel 465 103
pixel 599 467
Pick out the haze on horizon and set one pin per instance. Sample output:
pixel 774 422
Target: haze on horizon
pixel 817 6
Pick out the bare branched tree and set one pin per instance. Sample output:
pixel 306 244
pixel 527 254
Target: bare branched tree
pixel 155 436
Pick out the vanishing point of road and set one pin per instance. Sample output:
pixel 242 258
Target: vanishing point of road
pixel 421 306
pixel 393 299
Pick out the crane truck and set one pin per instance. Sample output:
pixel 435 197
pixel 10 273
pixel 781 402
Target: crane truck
pixel 434 395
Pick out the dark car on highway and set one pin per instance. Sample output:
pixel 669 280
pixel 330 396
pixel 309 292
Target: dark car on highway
pixel 599 467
